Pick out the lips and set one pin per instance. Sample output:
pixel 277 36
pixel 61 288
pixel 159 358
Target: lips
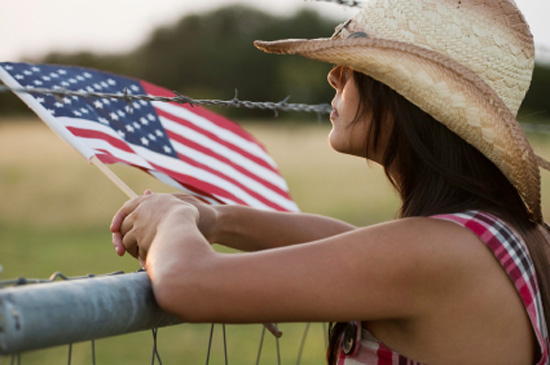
pixel 333 114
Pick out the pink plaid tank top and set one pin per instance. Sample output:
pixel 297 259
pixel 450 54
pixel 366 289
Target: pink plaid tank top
pixel 514 258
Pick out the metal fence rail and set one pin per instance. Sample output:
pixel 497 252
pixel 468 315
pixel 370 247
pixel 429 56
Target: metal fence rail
pixel 59 313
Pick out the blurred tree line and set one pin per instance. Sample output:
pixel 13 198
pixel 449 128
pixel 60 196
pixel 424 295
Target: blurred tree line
pixel 210 55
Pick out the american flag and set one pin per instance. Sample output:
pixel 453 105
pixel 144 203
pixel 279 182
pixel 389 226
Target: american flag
pixel 188 147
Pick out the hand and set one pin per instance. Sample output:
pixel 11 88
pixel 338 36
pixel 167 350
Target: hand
pixel 208 216
pixel 135 225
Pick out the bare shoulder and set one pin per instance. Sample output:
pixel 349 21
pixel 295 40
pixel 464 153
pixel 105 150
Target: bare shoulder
pixel 431 256
pixel 437 241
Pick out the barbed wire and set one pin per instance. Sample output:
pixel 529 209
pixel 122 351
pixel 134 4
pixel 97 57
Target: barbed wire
pixel 55 276
pixel 351 3
pixel 282 105
pixel 536 128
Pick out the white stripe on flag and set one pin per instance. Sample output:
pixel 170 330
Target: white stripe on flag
pixel 230 172
pixel 240 160
pixel 88 124
pixel 179 166
pixel 222 133
pixel 162 177
pixel 99 144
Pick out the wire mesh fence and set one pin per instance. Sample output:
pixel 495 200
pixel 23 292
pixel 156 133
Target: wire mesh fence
pixel 73 310
pixel 43 313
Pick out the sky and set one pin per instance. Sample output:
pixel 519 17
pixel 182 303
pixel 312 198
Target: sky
pixel 33 28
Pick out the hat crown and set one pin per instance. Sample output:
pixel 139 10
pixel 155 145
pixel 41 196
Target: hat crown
pixel 489 37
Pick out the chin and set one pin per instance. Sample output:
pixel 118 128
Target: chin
pixel 338 147
pixel 333 142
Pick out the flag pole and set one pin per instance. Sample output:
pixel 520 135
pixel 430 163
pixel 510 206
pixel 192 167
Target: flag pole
pixel 271 327
pixel 111 175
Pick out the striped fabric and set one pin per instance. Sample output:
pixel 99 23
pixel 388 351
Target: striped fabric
pixel 373 352
pixel 514 258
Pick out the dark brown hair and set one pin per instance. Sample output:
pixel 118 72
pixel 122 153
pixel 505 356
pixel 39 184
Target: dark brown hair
pixel 441 173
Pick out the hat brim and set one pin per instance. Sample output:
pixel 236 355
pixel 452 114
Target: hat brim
pixel 450 92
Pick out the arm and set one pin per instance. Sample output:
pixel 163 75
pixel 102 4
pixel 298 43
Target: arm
pixel 370 273
pixel 340 278
pixel 249 229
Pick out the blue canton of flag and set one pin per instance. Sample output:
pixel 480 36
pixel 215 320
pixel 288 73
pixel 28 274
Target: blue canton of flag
pixel 134 122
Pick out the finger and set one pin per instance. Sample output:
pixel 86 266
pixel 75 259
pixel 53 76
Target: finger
pixel 147 192
pixel 183 196
pixel 117 220
pixel 122 213
pixel 126 235
pixel 130 245
pixel 189 199
pixel 117 243
pixel 127 224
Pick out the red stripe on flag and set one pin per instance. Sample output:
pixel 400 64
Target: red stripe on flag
pixel 184 180
pixel 106 157
pixel 90 133
pixel 232 181
pixel 223 159
pixel 216 139
pixel 199 185
pixel 205 113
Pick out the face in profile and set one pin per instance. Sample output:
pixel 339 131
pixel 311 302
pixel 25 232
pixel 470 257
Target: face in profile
pixel 351 119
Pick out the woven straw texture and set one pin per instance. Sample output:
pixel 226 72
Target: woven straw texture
pixel 467 63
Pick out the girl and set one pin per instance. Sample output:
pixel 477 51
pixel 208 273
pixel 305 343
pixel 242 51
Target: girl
pixel 430 90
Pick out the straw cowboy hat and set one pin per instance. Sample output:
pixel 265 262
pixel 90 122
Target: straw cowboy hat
pixel 468 63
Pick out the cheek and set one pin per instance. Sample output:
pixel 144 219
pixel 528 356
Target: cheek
pixel 358 139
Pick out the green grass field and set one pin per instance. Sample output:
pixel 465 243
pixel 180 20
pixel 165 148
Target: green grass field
pixel 55 211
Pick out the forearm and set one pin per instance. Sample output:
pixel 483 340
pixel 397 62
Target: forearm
pixel 250 229
pixel 173 262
